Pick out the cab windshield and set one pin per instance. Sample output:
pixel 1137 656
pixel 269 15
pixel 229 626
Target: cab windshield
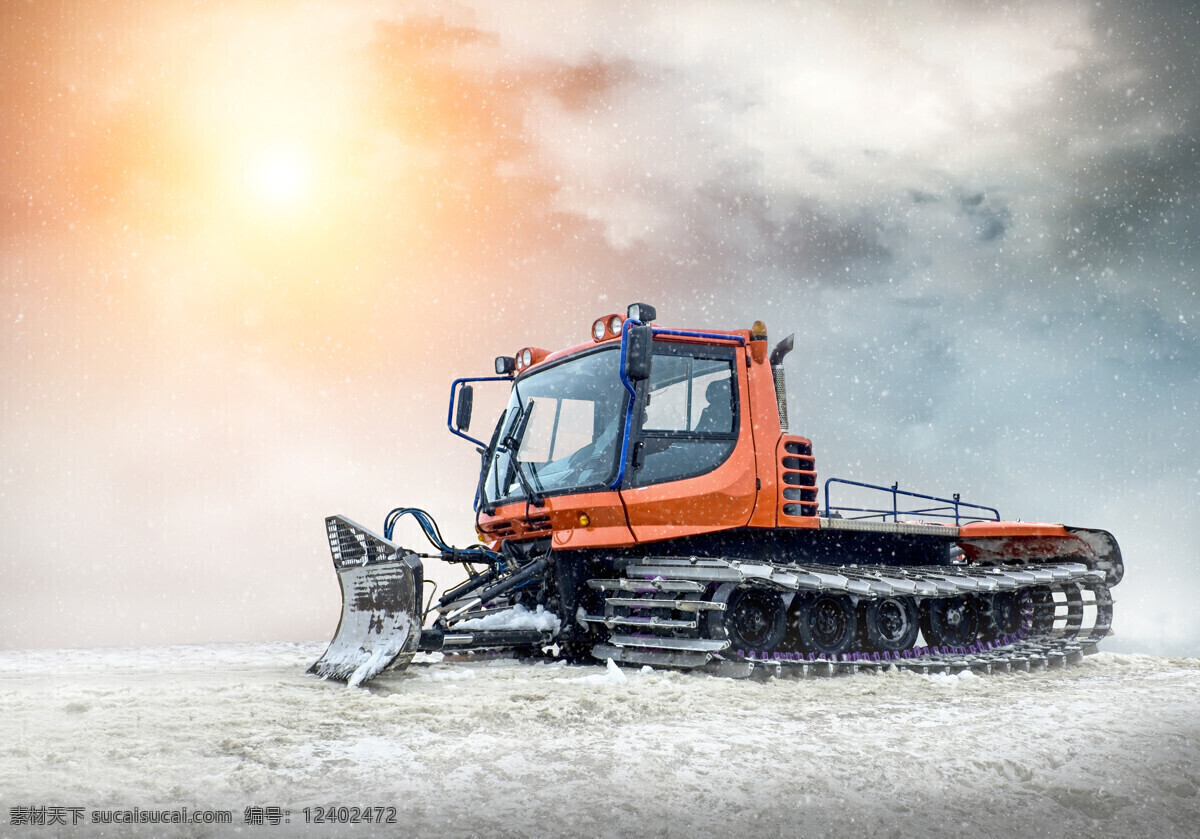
pixel 561 431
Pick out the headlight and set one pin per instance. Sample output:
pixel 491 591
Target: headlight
pixel 641 312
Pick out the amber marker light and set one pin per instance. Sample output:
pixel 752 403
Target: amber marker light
pixel 584 521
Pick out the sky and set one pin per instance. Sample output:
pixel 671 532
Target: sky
pixel 246 246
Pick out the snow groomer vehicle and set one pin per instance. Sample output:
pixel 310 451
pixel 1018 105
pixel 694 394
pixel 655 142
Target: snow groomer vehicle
pixel 642 499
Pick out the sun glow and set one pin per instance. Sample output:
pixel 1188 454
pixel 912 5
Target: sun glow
pixel 280 176
pixel 282 141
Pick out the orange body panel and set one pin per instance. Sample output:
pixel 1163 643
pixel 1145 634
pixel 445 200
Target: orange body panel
pixel 1004 541
pixel 764 423
pixel 1011 528
pixel 720 500
pixel 607 526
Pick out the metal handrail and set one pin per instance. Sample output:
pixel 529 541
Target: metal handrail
pixel 954 507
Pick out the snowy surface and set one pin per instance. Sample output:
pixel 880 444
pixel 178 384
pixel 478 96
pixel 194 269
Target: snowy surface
pixel 1108 748
pixel 518 617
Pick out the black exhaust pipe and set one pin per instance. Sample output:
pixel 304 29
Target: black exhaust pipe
pixel 777 355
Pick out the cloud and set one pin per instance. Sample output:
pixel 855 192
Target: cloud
pixel 979 220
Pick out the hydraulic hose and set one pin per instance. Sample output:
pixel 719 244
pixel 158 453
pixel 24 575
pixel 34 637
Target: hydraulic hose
pixel 520 578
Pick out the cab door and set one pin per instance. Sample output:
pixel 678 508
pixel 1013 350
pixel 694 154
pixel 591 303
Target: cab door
pixel 692 467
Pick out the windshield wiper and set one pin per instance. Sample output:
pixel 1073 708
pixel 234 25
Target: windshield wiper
pixel 512 444
pixel 516 429
pixel 534 495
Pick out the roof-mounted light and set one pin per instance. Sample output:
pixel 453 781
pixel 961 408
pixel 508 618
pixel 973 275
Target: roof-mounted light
pixel 607 327
pixel 529 356
pixel 641 312
pixel 506 365
pixel 758 332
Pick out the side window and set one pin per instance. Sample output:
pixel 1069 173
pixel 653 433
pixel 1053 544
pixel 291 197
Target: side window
pixel 690 395
pixel 689 422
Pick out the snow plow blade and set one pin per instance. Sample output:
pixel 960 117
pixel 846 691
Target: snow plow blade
pixel 380 626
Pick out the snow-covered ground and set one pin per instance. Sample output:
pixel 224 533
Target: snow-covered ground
pixel 1108 748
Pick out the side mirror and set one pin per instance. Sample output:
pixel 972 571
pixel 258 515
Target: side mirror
pixel 462 411
pixel 638 352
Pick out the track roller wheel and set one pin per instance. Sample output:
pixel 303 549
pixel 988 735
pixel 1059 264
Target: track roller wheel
pixel 754 619
pixel 950 621
pixel 826 623
pixel 1000 614
pixel 1041 611
pixel 890 623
